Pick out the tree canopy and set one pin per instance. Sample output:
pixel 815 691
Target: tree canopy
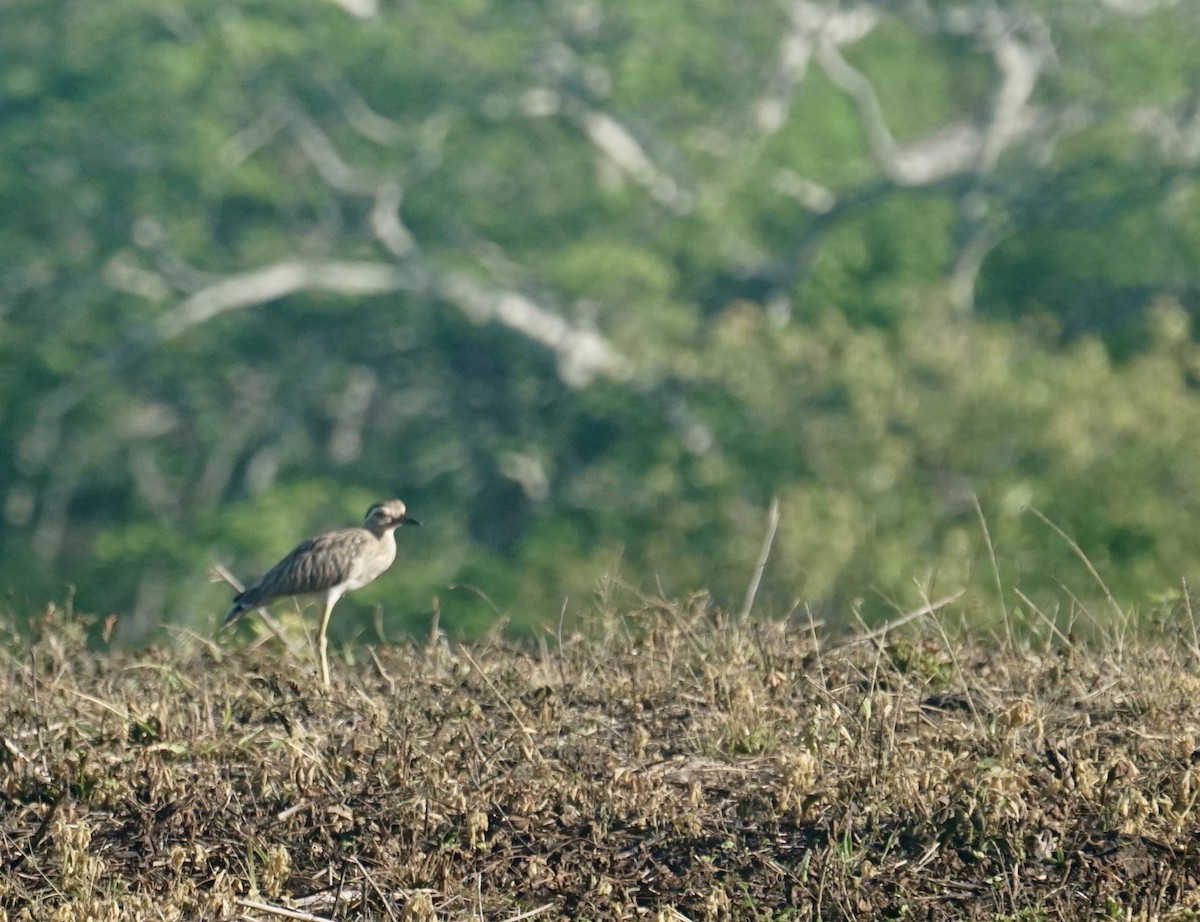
pixel 588 285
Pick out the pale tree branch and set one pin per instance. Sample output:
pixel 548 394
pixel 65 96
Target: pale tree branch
pixel 323 154
pixel 568 88
pixel 807 24
pixel 623 151
pixel 359 9
pixel 360 116
pixel 254 137
pixel 260 286
pixel 978 242
pixel 1021 48
pixel 331 166
pixel 620 150
pixel 1013 116
pixel 160 492
pixel 385 220
pixel 810 195
pixel 1017 43
pixel 953 149
pixel 388 193
pixel 1141 7
pixel 583 354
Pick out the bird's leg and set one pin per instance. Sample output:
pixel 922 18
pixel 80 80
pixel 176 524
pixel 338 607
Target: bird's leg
pixel 322 642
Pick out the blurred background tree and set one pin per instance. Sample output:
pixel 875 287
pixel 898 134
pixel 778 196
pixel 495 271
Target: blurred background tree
pixel 588 284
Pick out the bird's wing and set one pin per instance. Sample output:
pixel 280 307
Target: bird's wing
pixel 318 564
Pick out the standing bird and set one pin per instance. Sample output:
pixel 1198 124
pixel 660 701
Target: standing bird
pixel 329 565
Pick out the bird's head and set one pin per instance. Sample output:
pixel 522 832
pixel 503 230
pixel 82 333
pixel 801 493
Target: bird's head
pixel 387 515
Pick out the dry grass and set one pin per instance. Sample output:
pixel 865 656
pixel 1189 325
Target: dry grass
pixel 668 766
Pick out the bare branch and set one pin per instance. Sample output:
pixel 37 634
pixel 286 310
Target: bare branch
pixel 321 152
pixel 1140 7
pixel 1019 47
pixel 157 490
pixel 122 273
pixel 361 117
pixel 388 193
pixel 260 286
pixel 251 139
pixel 948 151
pixel 811 195
pixel 808 24
pixel 622 152
pixel 583 355
pixel 324 156
pixel 972 251
pixel 386 223
pixel 359 9
pixel 1021 63
pixel 612 139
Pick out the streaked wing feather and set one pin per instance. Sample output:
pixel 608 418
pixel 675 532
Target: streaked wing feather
pixel 317 564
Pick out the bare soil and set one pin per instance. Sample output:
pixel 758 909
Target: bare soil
pixel 669 764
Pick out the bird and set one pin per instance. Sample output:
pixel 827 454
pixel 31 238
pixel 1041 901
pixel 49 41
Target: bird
pixel 329 565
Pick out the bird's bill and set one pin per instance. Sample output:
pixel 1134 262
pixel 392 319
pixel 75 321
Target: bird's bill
pixel 409 520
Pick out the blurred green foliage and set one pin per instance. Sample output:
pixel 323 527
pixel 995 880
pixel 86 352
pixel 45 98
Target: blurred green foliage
pixel 899 357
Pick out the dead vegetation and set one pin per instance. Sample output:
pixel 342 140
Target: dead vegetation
pixel 670 764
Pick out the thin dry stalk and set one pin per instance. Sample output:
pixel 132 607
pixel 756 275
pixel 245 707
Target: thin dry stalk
pixel 763 555
pixel 884 629
pixel 282 911
pixel 1117 611
pixel 1046 619
pixel 991 549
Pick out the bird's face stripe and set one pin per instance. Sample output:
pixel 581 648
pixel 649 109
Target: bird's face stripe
pixel 385 514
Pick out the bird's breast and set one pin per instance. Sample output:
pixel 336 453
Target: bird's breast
pixel 372 563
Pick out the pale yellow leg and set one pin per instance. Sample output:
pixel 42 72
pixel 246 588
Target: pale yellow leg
pixel 322 642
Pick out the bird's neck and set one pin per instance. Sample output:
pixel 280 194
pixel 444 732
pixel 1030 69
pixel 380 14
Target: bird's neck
pixel 386 535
